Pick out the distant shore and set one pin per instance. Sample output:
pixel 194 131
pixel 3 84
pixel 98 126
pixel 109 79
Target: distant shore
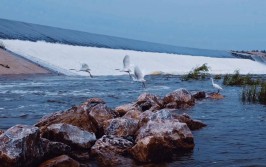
pixel 11 64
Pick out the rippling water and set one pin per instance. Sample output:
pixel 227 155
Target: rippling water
pixel 235 135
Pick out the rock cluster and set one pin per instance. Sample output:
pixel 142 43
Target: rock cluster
pixel 147 130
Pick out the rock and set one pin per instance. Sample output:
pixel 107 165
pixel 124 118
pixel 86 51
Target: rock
pixel 101 113
pixel 180 98
pixel 132 114
pixel 215 96
pixel 123 109
pixel 199 95
pixel 1 131
pixel 76 116
pixel 121 127
pixel 70 135
pixel 192 124
pixel 159 136
pixel 112 151
pixel 80 155
pixel 21 145
pixel 60 161
pixel 147 101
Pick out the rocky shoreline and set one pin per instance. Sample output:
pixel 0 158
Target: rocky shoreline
pixel 144 131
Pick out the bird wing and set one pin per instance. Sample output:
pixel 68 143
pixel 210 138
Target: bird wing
pixel 138 74
pixel 217 86
pixel 84 67
pixel 126 62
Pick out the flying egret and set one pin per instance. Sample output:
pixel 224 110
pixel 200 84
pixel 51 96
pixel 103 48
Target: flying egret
pixel 138 76
pixel 85 68
pixel 216 86
pixel 126 65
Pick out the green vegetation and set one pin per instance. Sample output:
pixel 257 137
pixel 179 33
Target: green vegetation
pixel 239 80
pixel 197 73
pixel 254 93
pixel 218 76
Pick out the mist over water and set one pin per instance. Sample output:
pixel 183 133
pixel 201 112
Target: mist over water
pixel 235 135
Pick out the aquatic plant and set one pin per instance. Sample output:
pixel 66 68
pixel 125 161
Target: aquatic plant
pixel 197 73
pixel 238 80
pixel 254 93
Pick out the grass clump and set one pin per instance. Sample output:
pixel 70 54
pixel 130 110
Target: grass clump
pixel 200 72
pixel 239 80
pixel 254 93
pixel 2 46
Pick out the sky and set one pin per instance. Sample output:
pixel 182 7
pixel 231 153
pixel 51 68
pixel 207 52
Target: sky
pixel 209 24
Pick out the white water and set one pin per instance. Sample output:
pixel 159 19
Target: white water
pixel 103 61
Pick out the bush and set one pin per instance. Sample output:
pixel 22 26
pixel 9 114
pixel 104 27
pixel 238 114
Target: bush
pixel 198 73
pixel 2 46
pixel 254 93
pixel 239 80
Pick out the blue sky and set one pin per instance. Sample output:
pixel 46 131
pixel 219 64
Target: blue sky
pixel 211 24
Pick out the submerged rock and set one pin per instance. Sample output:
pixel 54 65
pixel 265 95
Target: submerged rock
pixel 112 151
pixel 180 98
pixel 70 135
pixel 60 161
pixel 21 145
pixel 76 116
pixel 121 127
pixel 215 96
pixel 192 124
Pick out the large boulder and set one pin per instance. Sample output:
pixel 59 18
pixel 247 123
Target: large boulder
pixel 147 101
pixel 21 145
pixel 199 95
pixel 123 109
pixel 70 135
pixel 180 98
pixel 121 127
pixel 60 161
pixel 159 136
pixel 112 151
pixel 133 114
pixel 77 116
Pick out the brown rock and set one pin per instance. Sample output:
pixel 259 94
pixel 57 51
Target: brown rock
pixel 123 109
pixel 76 116
pixel 121 127
pixel 132 114
pixel 112 151
pixel 1 131
pixel 70 135
pixel 192 124
pixel 181 97
pixel 21 145
pixel 215 96
pixel 199 95
pixel 61 161
pixel 147 101
pixel 159 136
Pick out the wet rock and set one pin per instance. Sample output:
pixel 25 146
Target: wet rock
pixel 199 95
pixel 192 124
pixel 121 127
pixel 215 96
pixel 180 98
pixel 159 136
pixel 60 161
pixel 21 145
pixel 76 116
pixel 123 109
pixel 132 114
pixel 147 101
pixel 112 151
pixel 70 135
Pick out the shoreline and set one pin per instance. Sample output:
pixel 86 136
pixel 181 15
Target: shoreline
pixel 13 65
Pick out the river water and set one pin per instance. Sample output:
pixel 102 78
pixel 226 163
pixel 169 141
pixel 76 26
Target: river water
pixel 235 135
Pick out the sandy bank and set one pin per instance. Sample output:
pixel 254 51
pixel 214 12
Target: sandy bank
pixel 12 64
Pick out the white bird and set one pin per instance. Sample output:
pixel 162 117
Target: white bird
pixel 85 68
pixel 216 86
pixel 126 65
pixel 138 76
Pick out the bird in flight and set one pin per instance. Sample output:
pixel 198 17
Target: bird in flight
pixel 126 66
pixel 138 76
